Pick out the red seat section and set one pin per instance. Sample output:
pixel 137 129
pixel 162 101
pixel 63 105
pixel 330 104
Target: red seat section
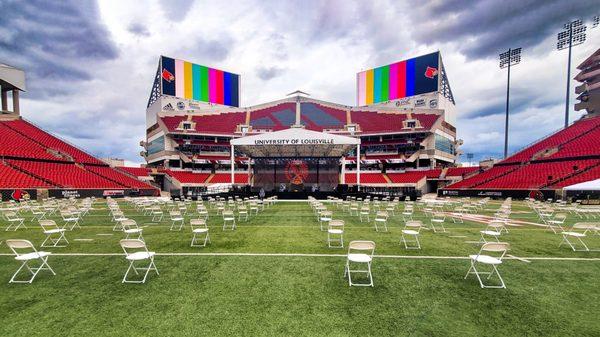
pixel 277 117
pixel 564 136
pixel 118 177
pixel 45 139
pixel 537 175
pixel 411 177
pixel 433 174
pixel 135 171
pixel 374 122
pixel 586 145
pixel 461 171
pixel 366 178
pixel 223 123
pixel 225 178
pixel 483 177
pixel 12 178
pixel 187 177
pixel 591 174
pixel 13 144
pixel 66 175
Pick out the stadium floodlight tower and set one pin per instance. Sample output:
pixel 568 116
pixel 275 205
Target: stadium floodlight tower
pixel 509 58
pixel 573 35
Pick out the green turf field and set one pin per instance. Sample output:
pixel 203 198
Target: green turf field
pixel 228 289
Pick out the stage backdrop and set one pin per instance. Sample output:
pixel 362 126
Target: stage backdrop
pixel 296 174
pixel 406 78
pixel 192 81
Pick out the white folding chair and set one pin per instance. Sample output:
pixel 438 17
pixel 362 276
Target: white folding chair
pixel 354 208
pixel 130 228
pixel 26 253
pixel 498 249
pixel 458 214
pixel 412 228
pixel 176 219
pixel 557 222
pixel 359 253
pixel 253 208
pixel 118 217
pixel 493 230
pixel 437 220
pixel 157 214
pixel 38 213
pixel 365 212
pixel 69 218
pixel 199 228
pixel 335 234
pixel 574 236
pixel 391 208
pixel 324 218
pixel 135 251
pixel 242 212
pixel 14 221
pixel 407 213
pixel 228 218
pixel 53 233
pixel 381 219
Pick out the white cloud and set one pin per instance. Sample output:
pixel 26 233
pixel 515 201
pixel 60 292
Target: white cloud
pixel 317 47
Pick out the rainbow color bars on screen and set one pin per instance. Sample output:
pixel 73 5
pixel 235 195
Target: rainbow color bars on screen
pixel 192 81
pixel 406 78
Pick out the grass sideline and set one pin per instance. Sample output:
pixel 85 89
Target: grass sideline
pixel 300 295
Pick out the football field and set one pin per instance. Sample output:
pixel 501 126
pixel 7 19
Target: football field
pixel 275 276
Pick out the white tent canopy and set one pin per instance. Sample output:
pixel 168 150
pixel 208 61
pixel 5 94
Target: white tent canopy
pixel 295 142
pixel 592 185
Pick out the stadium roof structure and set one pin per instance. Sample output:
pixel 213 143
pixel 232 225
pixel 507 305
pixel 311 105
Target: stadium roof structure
pixel 295 142
pixel 11 78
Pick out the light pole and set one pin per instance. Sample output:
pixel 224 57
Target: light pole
pixel 573 35
pixel 509 58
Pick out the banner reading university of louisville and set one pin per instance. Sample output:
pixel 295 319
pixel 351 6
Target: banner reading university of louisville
pixel 416 76
pixel 196 82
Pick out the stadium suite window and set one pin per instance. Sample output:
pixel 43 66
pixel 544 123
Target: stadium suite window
pixel 156 145
pixel 444 144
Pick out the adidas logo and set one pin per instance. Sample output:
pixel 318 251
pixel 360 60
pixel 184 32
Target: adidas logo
pixel 168 107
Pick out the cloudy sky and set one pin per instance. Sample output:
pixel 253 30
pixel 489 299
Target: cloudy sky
pixel 90 65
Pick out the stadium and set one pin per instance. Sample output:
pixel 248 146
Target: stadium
pixel 300 216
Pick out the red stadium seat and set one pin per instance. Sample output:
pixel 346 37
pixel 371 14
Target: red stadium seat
pixel 187 177
pixel 118 177
pixel 65 175
pixel 46 140
pixel 12 178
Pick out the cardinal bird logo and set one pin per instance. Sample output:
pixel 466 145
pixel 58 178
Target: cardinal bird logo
pixel 19 194
pixel 167 76
pixel 430 72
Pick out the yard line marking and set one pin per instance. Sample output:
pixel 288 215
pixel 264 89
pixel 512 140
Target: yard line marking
pixel 518 258
pixel 424 257
pixel 83 239
pixel 457 236
pixel 104 234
